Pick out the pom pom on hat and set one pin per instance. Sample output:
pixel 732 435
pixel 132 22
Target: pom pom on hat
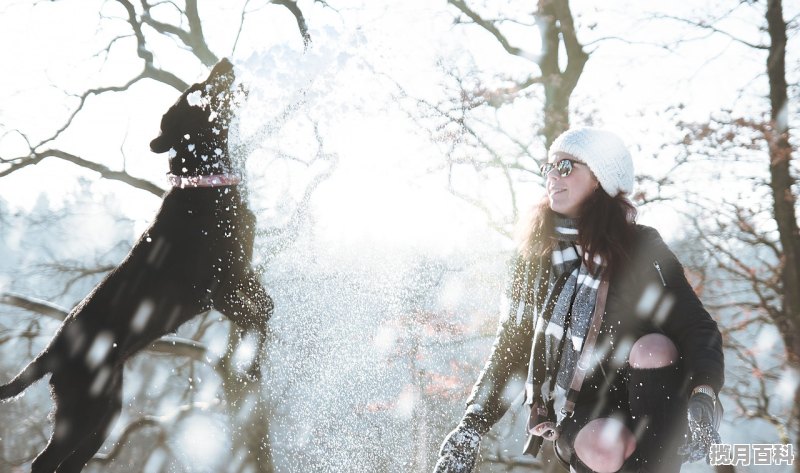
pixel 604 153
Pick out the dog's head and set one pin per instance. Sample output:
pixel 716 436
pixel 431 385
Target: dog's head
pixel 195 129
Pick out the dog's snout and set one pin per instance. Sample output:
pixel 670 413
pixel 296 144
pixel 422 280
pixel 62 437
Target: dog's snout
pixel 185 117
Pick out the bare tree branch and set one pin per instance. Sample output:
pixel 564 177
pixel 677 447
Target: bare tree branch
pixel 82 100
pixel 132 428
pixel 150 70
pixel 162 423
pixel 756 403
pixel 489 26
pixel 38 306
pixel 281 238
pixel 241 26
pixel 711 28
pixel 291 5
pixel 169 345
pixel 193 38
pixel 107 50
pixel 176 346
pixel 104 171
pixel 326 5
pixel 141 45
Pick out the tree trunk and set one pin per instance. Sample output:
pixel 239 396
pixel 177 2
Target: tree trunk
pixel 555 22
pixel 780 154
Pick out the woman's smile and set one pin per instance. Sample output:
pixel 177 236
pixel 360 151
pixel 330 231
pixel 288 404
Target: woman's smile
pixel 567 193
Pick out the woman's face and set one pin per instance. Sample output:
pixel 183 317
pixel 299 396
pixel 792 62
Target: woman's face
pixel 567 193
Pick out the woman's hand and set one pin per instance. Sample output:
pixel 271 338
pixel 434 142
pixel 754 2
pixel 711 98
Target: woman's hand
pixel 459 451
pixel 702 428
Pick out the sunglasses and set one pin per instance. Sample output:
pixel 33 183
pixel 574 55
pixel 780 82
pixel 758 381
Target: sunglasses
pixel 563 166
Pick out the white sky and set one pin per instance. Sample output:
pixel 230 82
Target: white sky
pixel 379 191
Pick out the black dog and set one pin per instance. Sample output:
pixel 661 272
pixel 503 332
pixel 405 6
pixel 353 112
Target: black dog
pixel 194 257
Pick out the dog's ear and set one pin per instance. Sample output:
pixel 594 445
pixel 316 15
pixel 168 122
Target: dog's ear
pixel 184 117
pixel 180 118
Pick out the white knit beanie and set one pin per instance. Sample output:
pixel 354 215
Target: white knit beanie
pixel 604 153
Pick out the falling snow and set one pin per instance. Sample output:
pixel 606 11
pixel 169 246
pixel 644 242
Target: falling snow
pixel 372 348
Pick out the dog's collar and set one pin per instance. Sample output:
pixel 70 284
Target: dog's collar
pixel 213 180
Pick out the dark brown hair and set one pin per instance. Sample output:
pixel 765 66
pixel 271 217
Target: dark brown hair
pixel 605 229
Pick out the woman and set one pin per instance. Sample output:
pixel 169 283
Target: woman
pixel 657 355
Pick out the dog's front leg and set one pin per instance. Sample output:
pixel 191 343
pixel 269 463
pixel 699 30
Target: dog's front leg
pixel 249 306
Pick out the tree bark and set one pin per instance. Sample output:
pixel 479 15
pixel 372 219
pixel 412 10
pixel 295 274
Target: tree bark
pixel 780 155
pixel 556 25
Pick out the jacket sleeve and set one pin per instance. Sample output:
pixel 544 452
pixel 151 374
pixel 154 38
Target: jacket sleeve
pixel 682 317
pixel 510 351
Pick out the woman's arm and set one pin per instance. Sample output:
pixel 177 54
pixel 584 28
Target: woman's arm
pixel 510 351
pixel 686 322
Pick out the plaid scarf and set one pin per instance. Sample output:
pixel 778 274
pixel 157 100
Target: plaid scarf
pixel 564 295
